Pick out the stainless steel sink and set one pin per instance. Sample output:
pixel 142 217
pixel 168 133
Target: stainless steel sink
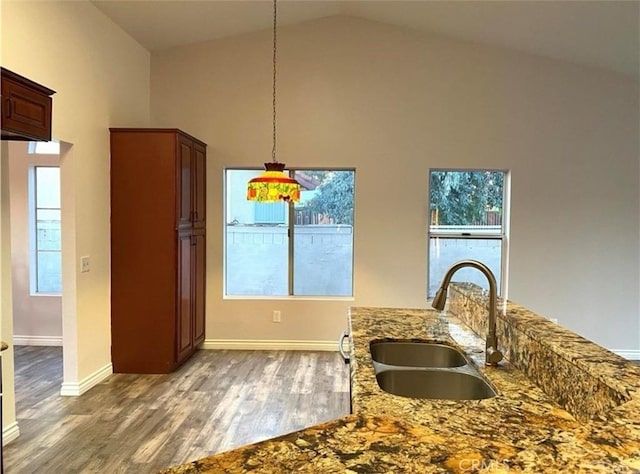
pixel 416 354
pixel 442 384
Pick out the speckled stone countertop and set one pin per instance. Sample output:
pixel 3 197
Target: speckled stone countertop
pixel 522 429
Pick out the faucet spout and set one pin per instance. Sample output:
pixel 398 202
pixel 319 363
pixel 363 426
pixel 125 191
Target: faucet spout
pixel 492 354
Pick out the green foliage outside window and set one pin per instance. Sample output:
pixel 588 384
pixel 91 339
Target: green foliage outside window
pixel 465 197
pixel 335 197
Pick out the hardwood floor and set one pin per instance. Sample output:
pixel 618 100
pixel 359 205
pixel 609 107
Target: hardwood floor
pixel 217 401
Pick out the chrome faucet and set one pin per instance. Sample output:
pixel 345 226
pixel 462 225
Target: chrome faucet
pixel 492 354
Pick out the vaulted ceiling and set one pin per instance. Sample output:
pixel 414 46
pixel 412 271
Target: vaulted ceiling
pixel 603 34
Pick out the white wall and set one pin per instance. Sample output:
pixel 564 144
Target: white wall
pixel 6 321
pixel 37 319
pixel 101 79
pixel 395 103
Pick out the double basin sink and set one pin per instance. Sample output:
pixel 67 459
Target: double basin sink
pixel 427 370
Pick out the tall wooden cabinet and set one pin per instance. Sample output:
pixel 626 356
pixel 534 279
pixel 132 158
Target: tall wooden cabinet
pixel 158 211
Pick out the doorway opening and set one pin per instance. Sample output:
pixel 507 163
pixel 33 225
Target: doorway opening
pixel 41 213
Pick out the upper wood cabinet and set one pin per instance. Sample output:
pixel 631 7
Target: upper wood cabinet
pixel 26 108
pixel 192 190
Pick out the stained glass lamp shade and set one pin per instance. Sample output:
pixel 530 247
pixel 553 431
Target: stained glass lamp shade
pixel 273 185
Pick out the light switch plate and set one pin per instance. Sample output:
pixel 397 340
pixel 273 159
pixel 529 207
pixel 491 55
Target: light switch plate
pixel 84 264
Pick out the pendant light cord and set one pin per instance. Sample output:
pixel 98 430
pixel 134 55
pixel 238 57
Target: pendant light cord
pixel 273 151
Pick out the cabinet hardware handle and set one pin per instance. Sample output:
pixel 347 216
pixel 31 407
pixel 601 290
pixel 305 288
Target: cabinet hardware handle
pixel 344 335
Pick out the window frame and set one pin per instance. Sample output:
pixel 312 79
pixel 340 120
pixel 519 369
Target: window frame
pixel 480 234
pixel 290 214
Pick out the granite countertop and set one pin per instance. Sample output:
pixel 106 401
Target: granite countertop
pixel 522 429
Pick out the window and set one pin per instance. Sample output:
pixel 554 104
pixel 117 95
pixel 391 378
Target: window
pixel 43 148
pixel 281 249
pixel 46 241
pixel 467 221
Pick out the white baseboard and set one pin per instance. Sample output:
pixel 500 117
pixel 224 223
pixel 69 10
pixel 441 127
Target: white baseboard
pixel 270 345
pixel 75 389
pixel 10 433
pixel 37 340
pixel 630 355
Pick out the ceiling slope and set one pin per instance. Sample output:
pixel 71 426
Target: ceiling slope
pixel 604 34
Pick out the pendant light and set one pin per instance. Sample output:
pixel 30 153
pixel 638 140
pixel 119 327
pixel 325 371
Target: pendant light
pixel 273 185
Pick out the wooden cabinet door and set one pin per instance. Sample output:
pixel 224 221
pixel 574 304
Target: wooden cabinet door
pixel 199 260
pixel 26 111
pixel 199 178
pixel 184 321
pixel 184 182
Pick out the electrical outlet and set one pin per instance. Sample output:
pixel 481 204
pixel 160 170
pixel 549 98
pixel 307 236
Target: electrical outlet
pixel 276 316
pixel 84 264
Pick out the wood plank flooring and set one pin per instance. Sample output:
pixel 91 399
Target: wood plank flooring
pixel 217 401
